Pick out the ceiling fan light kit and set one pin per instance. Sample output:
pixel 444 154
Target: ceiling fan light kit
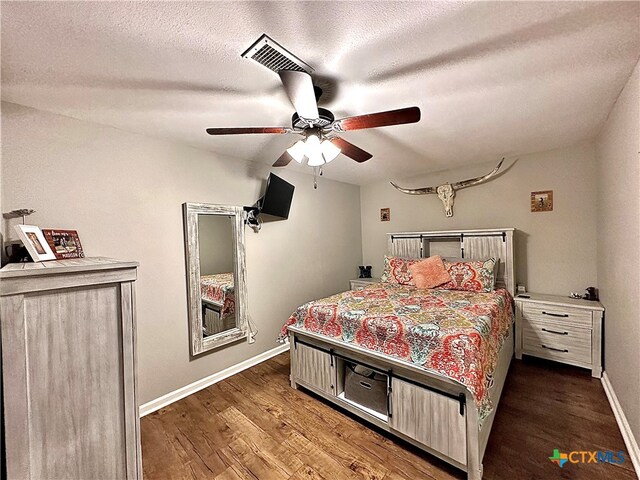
pixel 317 152
pixel 318 125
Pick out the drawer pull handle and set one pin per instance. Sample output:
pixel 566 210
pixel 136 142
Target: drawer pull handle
pixel 365 385
pixel 556 349
pixel 562 315
pixel 553 331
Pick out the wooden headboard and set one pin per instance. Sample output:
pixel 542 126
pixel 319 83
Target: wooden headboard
pixel 472 244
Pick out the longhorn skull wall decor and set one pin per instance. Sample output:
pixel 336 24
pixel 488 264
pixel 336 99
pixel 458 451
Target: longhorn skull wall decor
pixel 447 191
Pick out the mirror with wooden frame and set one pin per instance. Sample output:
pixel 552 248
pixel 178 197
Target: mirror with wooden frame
pixel 215 262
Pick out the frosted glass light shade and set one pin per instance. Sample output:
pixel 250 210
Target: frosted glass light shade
pixel 297 151
pixel 329 150
pixel 312 145
pixel 316 159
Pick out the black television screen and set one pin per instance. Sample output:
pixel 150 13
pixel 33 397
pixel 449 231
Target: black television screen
pixel 277 197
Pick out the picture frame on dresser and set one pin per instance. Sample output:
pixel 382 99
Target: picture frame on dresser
pixel 35 243
pixel 64 243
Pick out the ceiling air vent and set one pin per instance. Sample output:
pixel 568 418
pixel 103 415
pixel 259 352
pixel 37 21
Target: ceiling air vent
pixel 272 55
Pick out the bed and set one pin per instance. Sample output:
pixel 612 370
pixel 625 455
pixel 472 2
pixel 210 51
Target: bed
pixel 444 354
pixel 218 301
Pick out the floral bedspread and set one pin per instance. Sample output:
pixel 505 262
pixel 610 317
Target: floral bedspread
pixel 455 333
pixel 218 289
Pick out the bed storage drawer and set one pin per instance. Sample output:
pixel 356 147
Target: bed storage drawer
pixel 314 368
pixel 430 418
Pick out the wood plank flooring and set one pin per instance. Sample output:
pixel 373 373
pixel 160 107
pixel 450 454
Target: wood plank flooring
pixel 255 426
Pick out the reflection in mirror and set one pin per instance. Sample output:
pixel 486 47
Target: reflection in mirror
pixel 214 245
pixel 215 233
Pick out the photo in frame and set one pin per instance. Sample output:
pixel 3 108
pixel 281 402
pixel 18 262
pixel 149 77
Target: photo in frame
pixel 37 246
pixel 385 214
pixel 64 243
pixel 542 201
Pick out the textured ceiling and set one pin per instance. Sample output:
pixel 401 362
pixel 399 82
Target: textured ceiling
pixel 492 78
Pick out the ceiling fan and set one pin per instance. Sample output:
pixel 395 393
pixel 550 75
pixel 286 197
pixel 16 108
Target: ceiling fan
pixel 321 143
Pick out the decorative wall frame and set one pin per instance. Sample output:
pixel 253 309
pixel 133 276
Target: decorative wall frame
pixel 542 201
pixel 385 214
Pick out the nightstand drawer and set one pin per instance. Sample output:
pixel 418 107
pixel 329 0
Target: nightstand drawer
pixel 360 283
pixel 557 342
pixel 579 356
pixel 556 313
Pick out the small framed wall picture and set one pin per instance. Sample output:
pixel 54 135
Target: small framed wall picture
pixel 65 243
pixel 37 246
pixel 542 201
pixel 385 214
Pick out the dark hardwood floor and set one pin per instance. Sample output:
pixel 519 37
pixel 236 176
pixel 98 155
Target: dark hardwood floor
pixel 255 426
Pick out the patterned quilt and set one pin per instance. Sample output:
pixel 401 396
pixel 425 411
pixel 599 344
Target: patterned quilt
pixel 455 333
pixel 218 289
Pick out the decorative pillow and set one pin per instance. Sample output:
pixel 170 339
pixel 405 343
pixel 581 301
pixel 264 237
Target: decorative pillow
pixel 472 276
pixel 396 270
pixel 496 266
pixel 429 273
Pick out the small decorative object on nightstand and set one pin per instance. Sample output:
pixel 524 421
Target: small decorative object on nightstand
pixel 365 271
pixel 560 328
pixel 360 283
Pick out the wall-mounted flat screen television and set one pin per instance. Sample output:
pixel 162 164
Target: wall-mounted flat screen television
pixel 277 197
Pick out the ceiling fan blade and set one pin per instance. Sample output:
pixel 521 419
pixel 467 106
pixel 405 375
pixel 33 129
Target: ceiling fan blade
pixel 299 88
pixel 350 150
pixel 244 130
pixel 381 119
pixel 284 160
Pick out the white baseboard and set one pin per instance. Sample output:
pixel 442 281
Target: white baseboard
pixel 187 390
pixel 623 425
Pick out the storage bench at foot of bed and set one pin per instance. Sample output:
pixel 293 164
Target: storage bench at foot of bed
pixel 432 420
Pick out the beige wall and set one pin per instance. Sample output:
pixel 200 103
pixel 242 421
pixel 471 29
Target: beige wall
pixel 555 251
pixel 617 147
pixel 123 193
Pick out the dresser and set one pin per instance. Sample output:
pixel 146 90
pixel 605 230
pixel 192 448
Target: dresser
pixel 69 370
pixel 560 328
pixel 360 283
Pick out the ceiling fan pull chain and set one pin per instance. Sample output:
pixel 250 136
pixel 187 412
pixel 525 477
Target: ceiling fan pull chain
pixel 315 178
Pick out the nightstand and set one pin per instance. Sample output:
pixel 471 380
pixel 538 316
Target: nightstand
pixel 563 329
pixel 360 283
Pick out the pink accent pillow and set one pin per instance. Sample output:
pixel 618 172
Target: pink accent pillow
pixel 429 273
pixel 472 276
pixel 396 270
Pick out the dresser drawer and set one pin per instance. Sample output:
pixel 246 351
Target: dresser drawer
pixel 554 313
pixel 557 342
